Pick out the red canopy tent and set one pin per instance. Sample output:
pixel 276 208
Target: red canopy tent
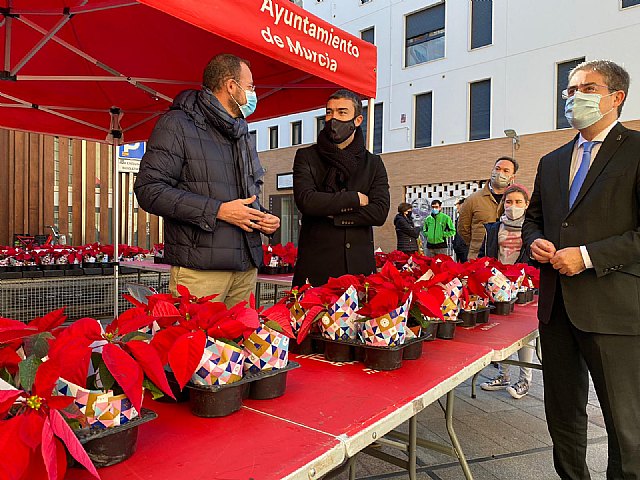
pixel 105 70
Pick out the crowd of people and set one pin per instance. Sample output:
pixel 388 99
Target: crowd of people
pixel 580 225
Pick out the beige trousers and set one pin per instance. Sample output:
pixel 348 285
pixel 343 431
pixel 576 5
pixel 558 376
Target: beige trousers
pixel 231 287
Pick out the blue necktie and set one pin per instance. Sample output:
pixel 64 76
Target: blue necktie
pixel 581 174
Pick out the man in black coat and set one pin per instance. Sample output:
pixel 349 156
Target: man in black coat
pixel 583 227
pixel 342 191
pixel 202 174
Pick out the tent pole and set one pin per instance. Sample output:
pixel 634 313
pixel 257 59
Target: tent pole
pixel 370 125
pixel 116 139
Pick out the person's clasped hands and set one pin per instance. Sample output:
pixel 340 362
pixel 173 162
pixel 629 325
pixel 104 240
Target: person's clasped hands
pixel 568 261
pixel 239 213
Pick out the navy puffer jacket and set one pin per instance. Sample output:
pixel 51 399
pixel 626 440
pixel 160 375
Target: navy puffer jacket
pixel 189 169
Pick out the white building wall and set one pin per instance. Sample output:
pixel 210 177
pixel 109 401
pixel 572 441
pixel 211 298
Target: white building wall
pixel 529 39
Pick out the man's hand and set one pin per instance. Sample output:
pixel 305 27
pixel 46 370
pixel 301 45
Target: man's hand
pixel 542 250
pixel 568 261
pixel 236 212
pixel 364 200
pixel 269 224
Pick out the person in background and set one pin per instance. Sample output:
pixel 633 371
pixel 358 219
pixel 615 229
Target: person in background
pixel 342 191
pixel 583 228
pixel 482 206
pixel 406 233
pixel 460 248
pixel 201 173
pixel 437 228
pixel 503 241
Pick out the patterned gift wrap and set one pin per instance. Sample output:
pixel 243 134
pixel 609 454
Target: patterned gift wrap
pixel 220 364
pixel 266 349
pixel 297 317
pixel 339 322
pixel 103 409
pixel 388 330
pixel 499 286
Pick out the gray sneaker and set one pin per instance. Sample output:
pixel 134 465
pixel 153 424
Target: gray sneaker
pixel 519 389
pixel 498 383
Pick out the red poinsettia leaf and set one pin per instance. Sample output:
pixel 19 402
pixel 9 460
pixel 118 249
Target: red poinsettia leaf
pixel 130 321
pixel 340 284
pixel 183 291
pixel 162 309
pixel 9 359
pixel 125 371
pixel 46 378
pixel 205 315
pixel 48 447
pixel 280 314
pixel 73 356
pixel 7 398
pixel 87 329
pixel 59 402
pixel 429 301
pixel 163 341
pixel 383 302
pixel 50 321
pixel 75 448
pixel 308 320
pixel 148 358
pixel 185 355
pixel 13 329
pixel 14 460
pixel 31 429
pixel 132 300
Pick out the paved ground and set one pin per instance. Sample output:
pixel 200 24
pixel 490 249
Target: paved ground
pixel 502 438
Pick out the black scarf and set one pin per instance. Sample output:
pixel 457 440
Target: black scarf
pixel 343 163
pixel 250 171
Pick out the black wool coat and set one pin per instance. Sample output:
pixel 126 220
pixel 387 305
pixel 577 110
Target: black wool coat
pixel 336 235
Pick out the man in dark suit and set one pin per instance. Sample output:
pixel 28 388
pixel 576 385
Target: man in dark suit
pixel 583 228
pixel 341 190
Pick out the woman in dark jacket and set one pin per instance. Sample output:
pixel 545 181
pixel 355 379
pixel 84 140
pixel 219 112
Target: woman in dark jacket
pixel 342 191
pixel 405 231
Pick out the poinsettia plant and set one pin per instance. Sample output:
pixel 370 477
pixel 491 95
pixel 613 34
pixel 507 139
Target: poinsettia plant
pixel 33 427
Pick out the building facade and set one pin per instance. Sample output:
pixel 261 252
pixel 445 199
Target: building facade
pixel 460 82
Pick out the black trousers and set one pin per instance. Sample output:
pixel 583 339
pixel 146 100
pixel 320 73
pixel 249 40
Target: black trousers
pixel 569 355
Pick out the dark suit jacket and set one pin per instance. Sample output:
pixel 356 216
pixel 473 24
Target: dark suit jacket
pixel 605 218
pixel 336 236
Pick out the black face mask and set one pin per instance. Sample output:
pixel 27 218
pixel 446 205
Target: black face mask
pixel 338 131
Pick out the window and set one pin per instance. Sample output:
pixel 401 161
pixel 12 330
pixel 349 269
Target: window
pixel 423 119
pixel 425 35
pixel 377 126
pixel 630 3
pixel 319 124
pixel 253 135
pixel 296 132
pixel 368 35
pixel 562 81
pixel 273 137
pixel 481 23
pixel 480 110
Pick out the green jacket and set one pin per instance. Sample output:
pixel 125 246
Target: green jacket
pixel 437 229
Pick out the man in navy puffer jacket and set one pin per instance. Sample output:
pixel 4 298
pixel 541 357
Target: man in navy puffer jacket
pixel 202 174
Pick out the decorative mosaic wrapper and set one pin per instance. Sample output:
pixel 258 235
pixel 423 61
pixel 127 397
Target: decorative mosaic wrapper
pixel 47 259
pixel 499 287
pixel 266 349
pixel 451 305
pixel 297 317
pixel 103 409
pixel 388 330
pixel 150 329
pixel 339 321
pixel 4 262
pixel 220 364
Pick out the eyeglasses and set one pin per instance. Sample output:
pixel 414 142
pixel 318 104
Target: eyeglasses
pixel 251 87
pixel 584 88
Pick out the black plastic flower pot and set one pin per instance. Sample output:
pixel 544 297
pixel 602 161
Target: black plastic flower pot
pixel 412 351
pixel 447 330
pixel 358 354
pixel 530 295
pixel 317 345
pixel 94 270
pixel 108 446
pixel 383 358
pixel 267 270
pixel 181 395
pixel 502 308
pixel 522 298
pixel 268 387
pixel 482 315
pixel 218 401
pixel 338 352
pixel 468 318
pixel 304 348
pixel 430 332
pixel 512 305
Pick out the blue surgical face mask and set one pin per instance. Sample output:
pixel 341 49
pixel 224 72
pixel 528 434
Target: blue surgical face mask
pixel 583 109
pixel 252 101
pixel 435 211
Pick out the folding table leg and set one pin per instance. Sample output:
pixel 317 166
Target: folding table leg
pixel 473 385
pixel 413 436
pixel 258 285
pixel 454 438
